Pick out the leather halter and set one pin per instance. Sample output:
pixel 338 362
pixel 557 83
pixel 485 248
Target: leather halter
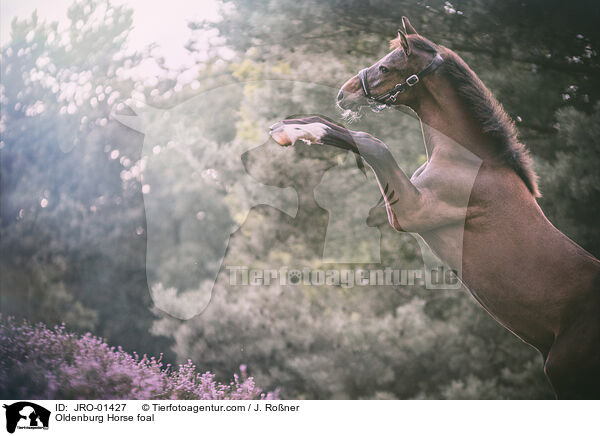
pixel 399 88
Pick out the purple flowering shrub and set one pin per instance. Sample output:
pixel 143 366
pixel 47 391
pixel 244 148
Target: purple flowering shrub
pixel 41 363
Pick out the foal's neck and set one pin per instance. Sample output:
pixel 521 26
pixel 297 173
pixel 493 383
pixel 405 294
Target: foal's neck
pixel 443 115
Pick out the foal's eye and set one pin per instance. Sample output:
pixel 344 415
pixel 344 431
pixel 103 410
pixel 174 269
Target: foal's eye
pixel 384 69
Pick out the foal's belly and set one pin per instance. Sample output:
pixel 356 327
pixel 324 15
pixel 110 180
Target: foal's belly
pixel 504 276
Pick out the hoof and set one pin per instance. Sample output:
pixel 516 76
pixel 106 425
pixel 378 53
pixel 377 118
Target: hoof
pixel 279 135
pixel 288 134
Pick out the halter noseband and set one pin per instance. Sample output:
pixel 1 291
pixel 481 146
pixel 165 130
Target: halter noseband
pixel 399 88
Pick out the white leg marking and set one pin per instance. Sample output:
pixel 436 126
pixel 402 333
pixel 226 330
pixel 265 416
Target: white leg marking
pixel 308 133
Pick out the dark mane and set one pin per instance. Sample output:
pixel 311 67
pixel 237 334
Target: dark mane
pixel 485 109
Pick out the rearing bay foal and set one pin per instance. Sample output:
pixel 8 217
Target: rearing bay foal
pixel 528 275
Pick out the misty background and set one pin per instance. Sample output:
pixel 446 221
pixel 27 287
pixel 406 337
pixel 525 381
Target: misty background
pixel 74 205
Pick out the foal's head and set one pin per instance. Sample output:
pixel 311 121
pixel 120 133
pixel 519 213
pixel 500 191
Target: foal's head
pixel 410 54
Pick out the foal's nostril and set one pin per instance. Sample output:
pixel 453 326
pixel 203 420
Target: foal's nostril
pixel 340 96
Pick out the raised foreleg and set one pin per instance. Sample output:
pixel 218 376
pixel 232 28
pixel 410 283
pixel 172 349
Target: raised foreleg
pixel 409 208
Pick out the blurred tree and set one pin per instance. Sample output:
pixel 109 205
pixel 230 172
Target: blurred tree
pixel 69 249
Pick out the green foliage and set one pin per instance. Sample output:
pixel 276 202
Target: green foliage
pixel 571 182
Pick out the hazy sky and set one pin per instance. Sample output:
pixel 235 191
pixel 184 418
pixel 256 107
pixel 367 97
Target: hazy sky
pixel 164 22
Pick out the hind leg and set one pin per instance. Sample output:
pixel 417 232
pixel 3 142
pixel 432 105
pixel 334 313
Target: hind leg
pixel 573 364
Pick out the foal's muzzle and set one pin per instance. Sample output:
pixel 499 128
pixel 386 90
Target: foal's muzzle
pixel 350 95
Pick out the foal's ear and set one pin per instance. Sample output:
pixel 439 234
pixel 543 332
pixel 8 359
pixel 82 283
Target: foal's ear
pixel 408 28
pixel 404 42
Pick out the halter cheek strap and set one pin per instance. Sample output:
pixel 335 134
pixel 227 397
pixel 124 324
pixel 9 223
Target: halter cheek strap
pixel 362 75
pixel 392 94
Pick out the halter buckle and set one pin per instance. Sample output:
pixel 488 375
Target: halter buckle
pixel 412 80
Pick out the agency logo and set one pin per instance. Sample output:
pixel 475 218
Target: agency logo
pixel 26 415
